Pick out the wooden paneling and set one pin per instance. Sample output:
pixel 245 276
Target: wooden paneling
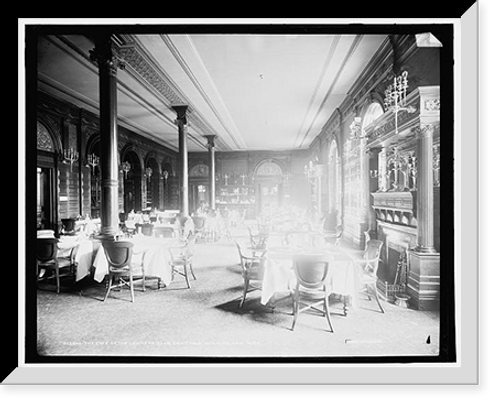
pixel 69 191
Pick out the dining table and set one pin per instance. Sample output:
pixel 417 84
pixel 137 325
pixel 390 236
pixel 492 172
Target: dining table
pixel 279 275
pixel 155 254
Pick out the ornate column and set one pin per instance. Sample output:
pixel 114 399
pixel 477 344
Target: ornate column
pixel 104 54
pixel 211 169
pixel 181 110
pixel 425 185
pixel 424 275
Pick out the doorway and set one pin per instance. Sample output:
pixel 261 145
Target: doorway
pixel 198 196
pixel 45 203
pixel 270 196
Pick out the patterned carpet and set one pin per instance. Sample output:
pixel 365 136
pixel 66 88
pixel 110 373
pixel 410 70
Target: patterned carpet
pixel 206 320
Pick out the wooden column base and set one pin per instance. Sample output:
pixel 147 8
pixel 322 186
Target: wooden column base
pixel 424 280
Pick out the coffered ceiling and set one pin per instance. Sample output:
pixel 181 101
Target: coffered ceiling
pixel 254 92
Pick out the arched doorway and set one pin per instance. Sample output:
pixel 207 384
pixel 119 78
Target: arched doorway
pixel 198 187
pixel 132 181
pixel 269 186
pixel 48 149
pixel 152 175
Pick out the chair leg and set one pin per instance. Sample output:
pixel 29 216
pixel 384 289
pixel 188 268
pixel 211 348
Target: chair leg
pixel 192 272
pixel 245 289
pixel 186 276
pixel 108 290
pixel 295 307
pixel 58 283
pixel 131 285
pixel 327 314
pixel 377 298
pixel 143 281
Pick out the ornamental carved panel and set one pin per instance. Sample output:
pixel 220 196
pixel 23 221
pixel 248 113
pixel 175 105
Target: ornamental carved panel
pixel 43 139
pixel 199 171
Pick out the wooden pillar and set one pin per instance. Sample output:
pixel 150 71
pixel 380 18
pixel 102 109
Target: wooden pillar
pixel 105 56
pixel 425 185
pixel 211 169
pixel 181 110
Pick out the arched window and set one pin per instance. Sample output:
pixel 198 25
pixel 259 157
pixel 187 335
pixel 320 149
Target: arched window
pixel 374 111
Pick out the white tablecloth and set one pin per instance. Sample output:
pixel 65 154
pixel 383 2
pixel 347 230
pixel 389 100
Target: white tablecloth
pixel 279 275
pixel 157 258
pixel 83 256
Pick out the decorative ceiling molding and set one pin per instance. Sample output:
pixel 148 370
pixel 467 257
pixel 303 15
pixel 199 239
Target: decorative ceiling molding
pixel 326 64
pixel 347 58
pixel 239 143
pixel 137 58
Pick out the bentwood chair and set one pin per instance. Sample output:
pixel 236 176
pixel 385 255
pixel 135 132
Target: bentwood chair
pixel 119 255
pixel 199 227
pixel 312 286
pixel 252 271
pixel 184 259
pixel 368 267
pixel 46 253
pixel 258 242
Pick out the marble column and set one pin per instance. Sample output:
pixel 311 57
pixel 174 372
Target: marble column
pixel 425 196
pixel 211 169
pixel 104 54
pixel 181 121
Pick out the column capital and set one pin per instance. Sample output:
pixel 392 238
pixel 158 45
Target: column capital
pixel 425 130
pixel 210 140
pixel 181 110
pixel 106 55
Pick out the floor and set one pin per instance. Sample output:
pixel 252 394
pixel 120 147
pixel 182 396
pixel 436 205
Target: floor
pixel 205 321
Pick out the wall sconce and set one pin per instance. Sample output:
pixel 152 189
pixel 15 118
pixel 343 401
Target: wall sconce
pixel 355 128
pixel 70 155
pixel 93 161
pixel 148 173
pixel 126 168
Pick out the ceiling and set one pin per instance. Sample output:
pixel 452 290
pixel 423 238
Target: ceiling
pixel 255 92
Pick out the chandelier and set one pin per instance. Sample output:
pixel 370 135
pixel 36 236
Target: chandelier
pixel 395 97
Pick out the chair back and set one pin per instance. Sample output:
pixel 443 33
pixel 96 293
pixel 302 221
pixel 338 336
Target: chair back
pixel 68 225
pixel 199 223
pixel 118 253
pixel 372 254
pixel 46 249
pixel 311 270
pixel 191 242
pixel 240 253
